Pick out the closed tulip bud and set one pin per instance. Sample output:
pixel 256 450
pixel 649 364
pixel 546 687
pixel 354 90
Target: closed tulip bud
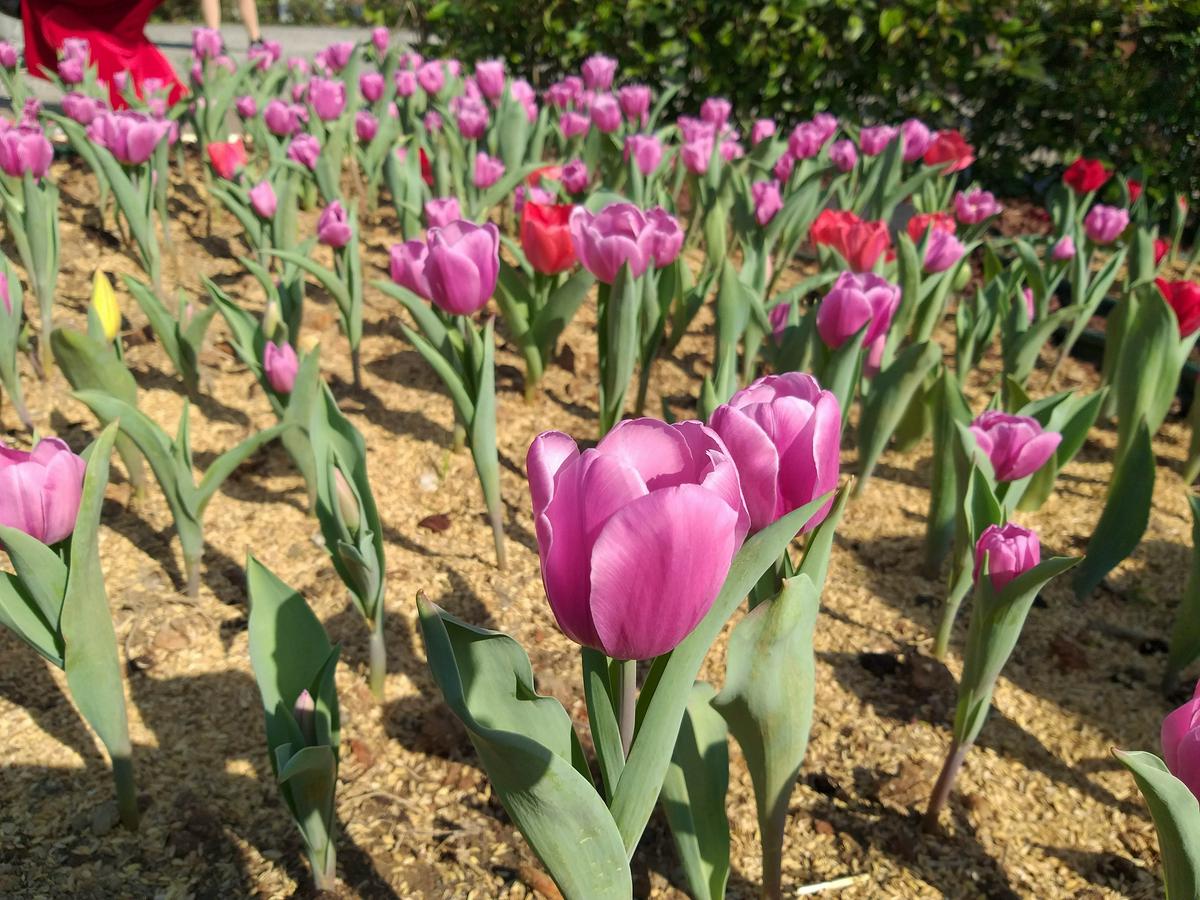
pixel 1181 743
pixel 207 43
pixel 573 124
pixel 272 320
pixel 365 125
pixel 406 82
pixel 635 103
pixel 104 302
pixel 488 170
pixel 380 37
pixel 281 118
pixel 1016 446
pixel 942 251
pixel 41 490
pixel 432 122
pixel 598 72
pixel 304 149
pixel 856 300
pixel 1063 249
pixel 697 154
pixel 246 106
pixel 575 176
pixel 546 237
pixel 665 236
pixel 304 711
pixel 761 130
pixel 1010 551
pixel 431 77
pixel 228 158
pixel 462 266
pixel 917 138
pixel 767 201
pixel 972 207
pixel 805 141
pixel 337 56
pixel 615 236
pixel 645 150
pixel 280 366
pixel 263 201
pixel 716 110
pixel 1104 224
pixel 9 58
pixel 874 139
pixel 1184 298
pixel 349 509
pixel 1162 247
pixel 784 166
pixel 843 155
pixel 328 97
pixel 25 151
pixel 825 124
pixel 489 76
pixel 407 266
pixel 1030 307
pixel 370 85
pixel 784 433
pixel 471 116
pixel 333 226
pixel 731 150
pixel 441 211
pixel 636 535
pixel 606 113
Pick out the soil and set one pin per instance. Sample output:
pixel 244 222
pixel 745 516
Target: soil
pixel 1042 808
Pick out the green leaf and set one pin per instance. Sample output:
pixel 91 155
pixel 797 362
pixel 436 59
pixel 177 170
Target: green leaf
pixel 329 279
pixel 693 796
pixel 1125 516
pixel 531 754
pixel 891 392
pixel 42 574
pixel 164 324
pixel 1185 636
pixel 21 616
pixel 602 717
pixel 560 309
pixel 225 464
pixel 1176 815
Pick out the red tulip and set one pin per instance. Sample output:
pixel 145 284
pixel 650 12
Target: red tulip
pixel 1135 190
pixel 831 225
pixel 949 147
pixel 553 173
pixel 1184 298
pixel 1085 175
pixel 940 221
pixel 1161 247
pixel 227 157
pixel 546 237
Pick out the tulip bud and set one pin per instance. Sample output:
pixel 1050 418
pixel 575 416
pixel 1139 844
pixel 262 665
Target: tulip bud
pixel 874 139
pixel 855 301
pixel 349 510
pixel 843 155
pixel 441 211
pixel 104 302
pixel 1010 551
pixel 263 200
pixel 1104 224
pixel 304 712
pixel 272 321
pixel 280 366
pixel 1016 446
pixel 1181 743
pixel 761 130
pixel 42 490
pixel 1063 249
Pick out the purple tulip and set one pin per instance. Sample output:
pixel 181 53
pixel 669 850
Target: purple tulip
pixel 207 43
pixel 25 151
pixel 441 211
pixel 489 75
pixel 370 85
pixel 328 97
pixel 246 106
pixel 1016 445
pixel 942 250
pixel 282 118
pixel 488 170
pixel 856 300
pixel 130 136
pixel 1181 743
pixel 522 91
pixel 537 195
pixel 972 207
pixel 805 141
pixel 843 154
pixel 1063 249
pixel 1104 224
pixel 407 266
pixel 81 108
pixel 598 72
pixel 1010 550
pixel 462 265
pixel 874 139
pixel 337 56
pixel 575 176
pixel 636 535
pixel 731 150
pixel 615 236
pixel 606 113
pixel 380 38
pixel 665 238
pixel 767 201
pixel 697 154
pixel 304 149
pixel 297 67
pixel 784 433
pixel 783 167
pixel 432 77
pixel 574 124
pixel 635 103
pixel 716 110
pixel 41 490
pixel 406 82
pixel 917 137
pixel 471 117
pixel 280 366
pixel 333 226
pixel 761 130
pixel 264 55
pixel 645 150
pixel 826 124
pixel 262 199
pixel 366 126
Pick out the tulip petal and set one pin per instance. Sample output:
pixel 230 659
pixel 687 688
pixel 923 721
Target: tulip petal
pixel 1176 726
pixel 811 462
pixel 1034 454
pixel 657 566
pixel 756 458
pixel 1187 765
pixel 658 452
pixel 21 486
pixel 548 453
pixel 61 495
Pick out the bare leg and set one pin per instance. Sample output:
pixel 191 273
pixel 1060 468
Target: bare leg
pixel 249 11
pixel 212 13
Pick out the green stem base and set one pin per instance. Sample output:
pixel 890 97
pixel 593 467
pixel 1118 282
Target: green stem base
pixel 127 804
pixel 944 785
pixel 377 664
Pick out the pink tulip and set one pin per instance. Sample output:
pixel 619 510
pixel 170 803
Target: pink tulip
pixel 25 151
pixel 731 150
pixel 805 141
pixel 406 82
pixel 615 236
pixel 691 129
pixel 489 76
pixel 784 433
pixel 81 108
pixel 366 126
pixel 843 155
pixel 431 77
pixel 665 236
pixel 942 250
pixel 645 150
pixel 71 70
pixel 972 207
pixel 574 124
pixel 129 136
pixel 1030 306
pixel 767 201
pixel 263 200
pixel 370 85
pixel 598 72
pixel 783 167
pixel 41 490
pixel 1181 742
pixel 716 110
pixel 334 227
pixel 635 103
pixel 246 106
pixel 917 137
pixel 407 266
pixel 328 98
pixel 207 43
pixel 9 57
pixel 264 55
pixel 304 149
pixel 1010 550
pixel 5 297
pixel 1016 445
pixel 825 125
pixel 636 535
pixel 297 67
pixel 874 139
pixel 606 113
pixel 1063 249
pixel 462 265
pixel 488 170
pixel 337 56
pixel 380 37
pixel 441 211
pixel 1104 224
pixel 522 91
pixel 537 195
pixel 697 154
pixel 280 366
pixel 432 121
pixel 856 300
pixel 575 176
pixel 471 117
pixel 761 130
pixel 282 118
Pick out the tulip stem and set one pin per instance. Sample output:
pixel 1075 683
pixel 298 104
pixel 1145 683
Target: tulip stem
pixel 959 585
pixel 945 784
pixel 127 805
pixel 377 660
pixel 627 702
pixel 191 569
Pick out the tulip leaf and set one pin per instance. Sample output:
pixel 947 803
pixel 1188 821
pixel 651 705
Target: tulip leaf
pixel 661 709
pixel 1176 815
pixel 843 370
pixel 224 465
pixel 165 327
pixel 561 306
pixel 693 796
pixel 21 615
pixel 1073 419
pixel 1185 636
pixel 446 370
pixel 1125 516
pixel 891 392
pixel 243 325
pixel 42 574
pixel 817 549
pixel 602 717
pixel 1022 353
pixel 330 280
pixel 530 751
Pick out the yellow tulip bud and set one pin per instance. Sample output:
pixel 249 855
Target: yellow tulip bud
pixel 104 302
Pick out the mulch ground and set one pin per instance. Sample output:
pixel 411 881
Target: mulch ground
pixel 1042 808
